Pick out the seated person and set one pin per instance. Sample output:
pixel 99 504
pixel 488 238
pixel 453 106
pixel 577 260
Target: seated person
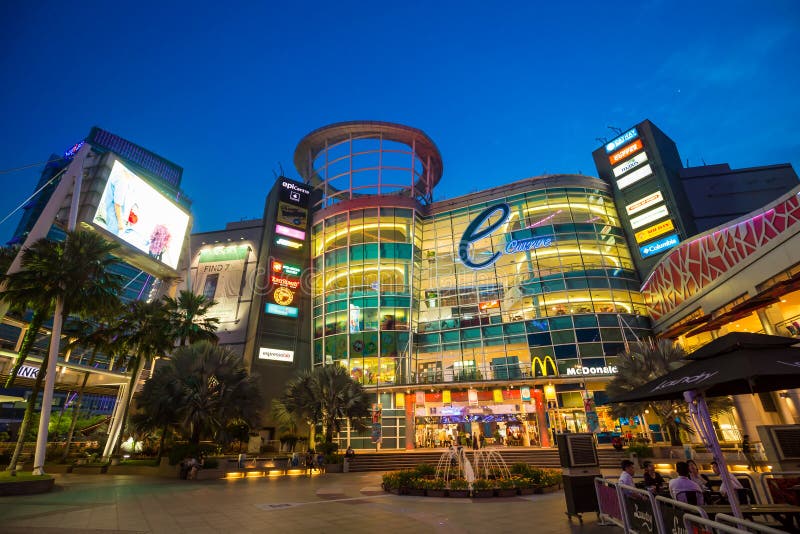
pixel 653 480
pixel 349 453
pixel 681 486
pixel 744 495
pixel 696 477
pixel 626 476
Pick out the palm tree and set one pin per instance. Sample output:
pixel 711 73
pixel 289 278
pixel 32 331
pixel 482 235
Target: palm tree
pixel 327 396
pixel 97 338
pixel 147 333
pixel 74 271
pixel 189 316
pixel 208 386
pixel 645 361
pixel 156 403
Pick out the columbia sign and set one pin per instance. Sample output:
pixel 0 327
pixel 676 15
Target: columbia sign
pixel 686 380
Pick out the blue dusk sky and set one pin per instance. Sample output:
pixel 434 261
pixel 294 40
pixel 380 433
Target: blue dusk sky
pixel 507 90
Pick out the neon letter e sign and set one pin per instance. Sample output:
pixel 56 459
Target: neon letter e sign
pixel 472 234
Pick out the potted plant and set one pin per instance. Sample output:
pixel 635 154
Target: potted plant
pixel 506 487
pixel 482 488
pixel 405 479
pixel 417 486
pixel 551 480
pixel 436 487
pixel 526 486
pixel 391 482
pixel 458 487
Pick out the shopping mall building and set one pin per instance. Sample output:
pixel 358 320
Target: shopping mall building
pixel 499 312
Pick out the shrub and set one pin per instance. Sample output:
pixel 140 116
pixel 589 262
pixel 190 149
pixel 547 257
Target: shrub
pixel 507 483
pixel 457 484
pixel 425 470
pixel 435 484
pixel 187 450
pixel 327 448
pixel 482 484
pixel 391 480
pixel 406 477
pixel 334 458
pixel 520 468
pixel 641 450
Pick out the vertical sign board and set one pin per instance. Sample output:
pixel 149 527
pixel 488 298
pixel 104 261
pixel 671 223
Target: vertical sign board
pixel 377 432
pixel 291 221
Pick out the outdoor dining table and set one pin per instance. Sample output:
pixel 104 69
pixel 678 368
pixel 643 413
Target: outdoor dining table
pixel 787 514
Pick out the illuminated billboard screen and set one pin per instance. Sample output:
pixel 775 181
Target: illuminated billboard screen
pixel 136 213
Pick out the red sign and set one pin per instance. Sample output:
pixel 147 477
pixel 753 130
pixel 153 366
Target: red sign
pixel 282 281
pixel 625 151
pixel 489 304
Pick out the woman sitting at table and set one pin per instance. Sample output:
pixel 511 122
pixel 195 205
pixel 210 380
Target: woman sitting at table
pixel 696 477
pixel 744 495
pixel 680 487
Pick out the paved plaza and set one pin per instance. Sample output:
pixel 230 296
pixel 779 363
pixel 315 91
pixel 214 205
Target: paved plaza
pixel 341 503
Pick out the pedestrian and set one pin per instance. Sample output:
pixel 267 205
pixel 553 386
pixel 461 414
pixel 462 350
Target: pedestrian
pixel 349 453
pixel 748 452
pixel 475 442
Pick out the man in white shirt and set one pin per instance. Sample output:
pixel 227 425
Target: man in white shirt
pixel 679 487
pixel 626 477
pixel 744 496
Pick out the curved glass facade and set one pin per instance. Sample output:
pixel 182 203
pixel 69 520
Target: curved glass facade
pixel 364 263
pixel 567 305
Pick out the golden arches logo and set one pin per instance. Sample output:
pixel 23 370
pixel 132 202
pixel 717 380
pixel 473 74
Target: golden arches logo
pixel 542 362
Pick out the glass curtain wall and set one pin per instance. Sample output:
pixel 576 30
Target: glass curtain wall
pixel 364 265
pixel 564 306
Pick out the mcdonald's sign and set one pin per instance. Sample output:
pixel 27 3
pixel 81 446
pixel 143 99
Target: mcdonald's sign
pixel 542 363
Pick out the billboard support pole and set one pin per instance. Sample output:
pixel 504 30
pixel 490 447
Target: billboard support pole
pixel 74 177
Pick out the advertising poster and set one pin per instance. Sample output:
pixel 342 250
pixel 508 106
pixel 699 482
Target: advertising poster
pixel 377 412
pixel 132 210
pixel 219 277
pixel 592 421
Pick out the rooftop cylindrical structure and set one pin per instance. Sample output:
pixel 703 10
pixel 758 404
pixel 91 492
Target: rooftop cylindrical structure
pixel 351 160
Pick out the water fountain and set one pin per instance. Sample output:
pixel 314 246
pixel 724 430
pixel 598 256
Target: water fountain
pixel 455 463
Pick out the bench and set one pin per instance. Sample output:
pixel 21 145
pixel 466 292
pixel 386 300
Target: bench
pixel 96 468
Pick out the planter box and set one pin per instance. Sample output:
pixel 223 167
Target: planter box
pixel 482 494
pixel 437 493
pixel 28 487
pixel 458 493
pixel 527 491
pixel 507 492
pixel 334 468
pixel 416 492
pixel 209 474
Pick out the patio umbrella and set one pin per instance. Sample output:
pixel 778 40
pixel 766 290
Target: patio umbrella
pixel 734 364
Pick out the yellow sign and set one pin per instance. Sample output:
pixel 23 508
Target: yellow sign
pixel 655 230
pixel 400 400
pixel 542 363
pixel 446 396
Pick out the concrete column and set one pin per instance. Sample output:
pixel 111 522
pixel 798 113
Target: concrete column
pixel 411 430
pixel 766 323
pixel 749 414
pixel 794 400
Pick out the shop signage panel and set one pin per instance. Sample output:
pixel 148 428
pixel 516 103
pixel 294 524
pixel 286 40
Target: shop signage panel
pixel 290 232
pixel 295 192
pixel 292 215
pixel 488 305
pixel 642 203
pixel 625 152
pixel 288 243
pixel 650 216
pixel 654 231
pixel 285 268
pixel 629 165
pixel 285 311
pixel 621 140
pixel 275 354
pixel 606 370
pixel 635 176
pixel 657 247
pixel 28 371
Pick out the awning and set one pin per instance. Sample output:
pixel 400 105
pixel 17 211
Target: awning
pixel 742 309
